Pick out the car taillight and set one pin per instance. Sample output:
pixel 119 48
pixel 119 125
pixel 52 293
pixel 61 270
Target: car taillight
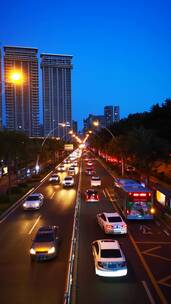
pixel 97 197
pixel 124 226
pixel 108 226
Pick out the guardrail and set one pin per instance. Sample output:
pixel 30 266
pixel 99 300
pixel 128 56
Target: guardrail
pixel 74 239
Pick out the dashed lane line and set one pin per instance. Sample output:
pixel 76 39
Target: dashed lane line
pixel 52 195
pixel 31 230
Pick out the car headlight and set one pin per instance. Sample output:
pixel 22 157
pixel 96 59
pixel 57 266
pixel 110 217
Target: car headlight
pixel 24 205
pixel 36 204
pixel 32 251
pixel 51 250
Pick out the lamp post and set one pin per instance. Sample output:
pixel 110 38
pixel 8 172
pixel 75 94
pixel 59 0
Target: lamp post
pixel 62 124
pixel 96 124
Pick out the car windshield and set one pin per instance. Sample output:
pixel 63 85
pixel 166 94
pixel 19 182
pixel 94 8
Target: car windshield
pixel 33 198
pixel 91 192
pixel 113 219
pixel 55 175
pixel 110 253
pixel 95 178
pixel 68 178
pixel 44 237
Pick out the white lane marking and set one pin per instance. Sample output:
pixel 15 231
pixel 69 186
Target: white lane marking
pixel 31 230
pixel 52 195
pixel 109 195
pixel 104 193
pixel 166 232
pixel 148 292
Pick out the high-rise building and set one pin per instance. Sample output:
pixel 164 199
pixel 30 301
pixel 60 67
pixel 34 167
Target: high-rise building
pixel 75 126
pixel 108 113
pixel 22 100
pixel 116 113
pixel 56 83
pixel 0 90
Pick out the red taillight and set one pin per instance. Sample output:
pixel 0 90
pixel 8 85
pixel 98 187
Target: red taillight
pixel 97 196
pixel 124 226
pixel 108 226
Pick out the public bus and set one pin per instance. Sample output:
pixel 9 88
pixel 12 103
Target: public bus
pixel 135 200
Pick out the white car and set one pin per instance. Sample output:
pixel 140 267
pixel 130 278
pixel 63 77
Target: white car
pixel 55 178
pixel 95 181
pixel 112 223
pixel 61 168
pixel 68 181
pixel 109 259
pixel 33 201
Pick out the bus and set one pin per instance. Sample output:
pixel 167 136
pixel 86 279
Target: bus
pixel 135 200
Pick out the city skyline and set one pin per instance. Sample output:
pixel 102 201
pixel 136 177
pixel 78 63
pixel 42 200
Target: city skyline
pixel 121 49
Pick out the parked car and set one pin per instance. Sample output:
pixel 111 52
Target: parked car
pixel 45 245
pixel 91 195
pixel 109 259
pixel 112 223
pixel 33 202
pixel 95 181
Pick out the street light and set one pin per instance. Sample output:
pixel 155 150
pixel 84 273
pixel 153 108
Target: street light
pixel 67 124
pixel 97 124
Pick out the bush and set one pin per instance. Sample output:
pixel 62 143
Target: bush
pixel 4 198
pixel 14 190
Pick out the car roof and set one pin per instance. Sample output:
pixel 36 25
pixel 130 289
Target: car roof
pixel 35 194
pixel 46 229
pixel 111 214
pixel 108 244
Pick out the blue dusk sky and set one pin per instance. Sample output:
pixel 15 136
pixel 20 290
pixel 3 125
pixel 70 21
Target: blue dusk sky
pixel 121 48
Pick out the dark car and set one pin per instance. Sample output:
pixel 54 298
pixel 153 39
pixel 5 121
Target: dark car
pixel 91 195
pixel 90 171
pixel 45 244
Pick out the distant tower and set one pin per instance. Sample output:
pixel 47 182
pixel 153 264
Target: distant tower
pixel 22 100
pixel 75 126
pixel 0 90
pixel 108 113
pixel 116 113
pixel 56 82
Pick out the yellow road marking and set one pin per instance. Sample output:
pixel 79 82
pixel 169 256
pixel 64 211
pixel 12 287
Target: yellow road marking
pixel 146 252
pixel 149 273
pixel 163 281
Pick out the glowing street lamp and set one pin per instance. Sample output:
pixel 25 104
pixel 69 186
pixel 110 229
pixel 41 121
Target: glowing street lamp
pixel 16 77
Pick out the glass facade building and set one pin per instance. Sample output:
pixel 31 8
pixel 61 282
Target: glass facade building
pixel 57 100
pixel 22 100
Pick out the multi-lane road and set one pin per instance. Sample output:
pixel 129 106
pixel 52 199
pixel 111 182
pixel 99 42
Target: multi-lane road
pixel 147 248
pixel 23 281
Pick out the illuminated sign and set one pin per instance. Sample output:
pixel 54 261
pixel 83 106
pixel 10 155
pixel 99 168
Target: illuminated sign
pixel 161 198
pixel 68 147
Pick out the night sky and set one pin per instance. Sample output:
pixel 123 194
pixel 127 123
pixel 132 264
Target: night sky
pixel 121 49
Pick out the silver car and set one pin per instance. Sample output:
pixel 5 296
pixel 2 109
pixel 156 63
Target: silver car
pixel 33 202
